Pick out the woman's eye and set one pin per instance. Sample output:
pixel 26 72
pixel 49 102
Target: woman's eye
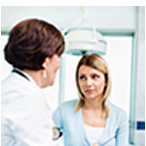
pixel 95 76
pixel 82 77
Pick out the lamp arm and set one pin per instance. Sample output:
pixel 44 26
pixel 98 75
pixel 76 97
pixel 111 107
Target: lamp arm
pixel 81 10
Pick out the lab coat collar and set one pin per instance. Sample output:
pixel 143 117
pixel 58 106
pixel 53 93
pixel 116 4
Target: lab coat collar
pixel 29 77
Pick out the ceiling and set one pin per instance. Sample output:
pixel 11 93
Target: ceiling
pixel 105 18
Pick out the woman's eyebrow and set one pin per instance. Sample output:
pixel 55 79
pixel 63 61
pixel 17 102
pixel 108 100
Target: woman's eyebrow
pixel 81 75
pixel 95 73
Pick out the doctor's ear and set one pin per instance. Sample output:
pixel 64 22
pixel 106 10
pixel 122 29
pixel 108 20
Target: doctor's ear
pixel 46 62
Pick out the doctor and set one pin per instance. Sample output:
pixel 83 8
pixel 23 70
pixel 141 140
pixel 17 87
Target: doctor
pixel 33 49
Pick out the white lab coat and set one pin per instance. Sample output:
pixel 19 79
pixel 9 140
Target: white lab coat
pixel 26 119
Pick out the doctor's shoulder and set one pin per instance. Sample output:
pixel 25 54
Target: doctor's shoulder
pixel 15 81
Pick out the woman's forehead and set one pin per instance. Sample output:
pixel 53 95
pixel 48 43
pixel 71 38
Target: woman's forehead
pixel 84 69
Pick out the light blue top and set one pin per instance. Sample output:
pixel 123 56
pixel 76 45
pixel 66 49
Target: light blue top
pixel 114 134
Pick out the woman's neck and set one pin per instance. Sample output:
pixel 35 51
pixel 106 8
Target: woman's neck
pixel 93 104
pixel 92 112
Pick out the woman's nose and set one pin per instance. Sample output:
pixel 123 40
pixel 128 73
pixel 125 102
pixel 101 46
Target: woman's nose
pixel 88 82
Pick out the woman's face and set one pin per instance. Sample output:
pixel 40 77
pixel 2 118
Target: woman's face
pixel 91 82
pixel 51 69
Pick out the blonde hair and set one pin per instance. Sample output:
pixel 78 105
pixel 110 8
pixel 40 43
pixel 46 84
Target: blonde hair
pixel 97 62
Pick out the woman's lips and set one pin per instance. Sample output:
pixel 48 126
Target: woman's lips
pixel 89 90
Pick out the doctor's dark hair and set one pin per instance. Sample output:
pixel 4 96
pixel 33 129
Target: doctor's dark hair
pixel 97 62
pixel 30 42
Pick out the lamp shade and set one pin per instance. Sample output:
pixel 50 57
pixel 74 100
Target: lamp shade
pixel 79 42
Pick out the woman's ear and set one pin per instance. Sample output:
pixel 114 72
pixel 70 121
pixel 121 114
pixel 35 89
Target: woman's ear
pixel 46 62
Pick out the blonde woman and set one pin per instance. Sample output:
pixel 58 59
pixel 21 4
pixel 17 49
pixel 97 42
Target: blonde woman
pixel 92 119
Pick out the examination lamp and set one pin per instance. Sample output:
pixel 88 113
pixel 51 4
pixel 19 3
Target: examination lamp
pixel 80 42
pixel 84 41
